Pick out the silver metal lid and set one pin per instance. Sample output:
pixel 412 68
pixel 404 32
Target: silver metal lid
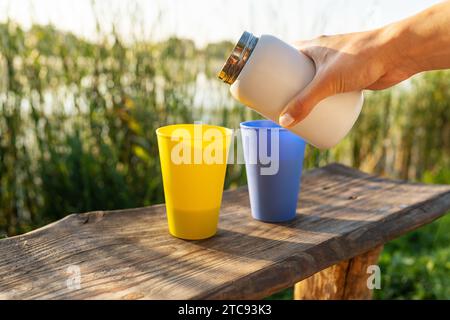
pixel 238 57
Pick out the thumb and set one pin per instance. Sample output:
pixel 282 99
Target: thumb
pixel 303 103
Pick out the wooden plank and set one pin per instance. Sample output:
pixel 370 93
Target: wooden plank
pixel 128 254
pixel 346 280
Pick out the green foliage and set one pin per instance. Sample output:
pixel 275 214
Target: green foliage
pixel 417 266
pixel 78 121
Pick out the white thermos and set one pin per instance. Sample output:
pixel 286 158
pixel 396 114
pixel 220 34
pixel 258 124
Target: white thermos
pixel 266 73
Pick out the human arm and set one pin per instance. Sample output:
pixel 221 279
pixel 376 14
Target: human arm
pixel 375 59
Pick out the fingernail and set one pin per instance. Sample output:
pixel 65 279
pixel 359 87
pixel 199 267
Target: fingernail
pixel 286 120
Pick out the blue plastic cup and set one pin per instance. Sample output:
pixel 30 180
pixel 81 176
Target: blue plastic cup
pixel 273 161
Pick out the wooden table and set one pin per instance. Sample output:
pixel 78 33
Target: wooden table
pixel 344 218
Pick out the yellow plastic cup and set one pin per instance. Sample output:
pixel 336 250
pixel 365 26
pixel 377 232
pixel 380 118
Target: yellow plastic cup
pixel 193 163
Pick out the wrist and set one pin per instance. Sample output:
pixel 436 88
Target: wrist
pixel 397 47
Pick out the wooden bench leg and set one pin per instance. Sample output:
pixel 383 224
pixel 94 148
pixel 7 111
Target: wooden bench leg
pixel 343 281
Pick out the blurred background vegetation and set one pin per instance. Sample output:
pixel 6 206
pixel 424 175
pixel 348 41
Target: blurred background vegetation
pixel 77 123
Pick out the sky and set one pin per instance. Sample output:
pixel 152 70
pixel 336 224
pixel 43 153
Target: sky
pixel 207 21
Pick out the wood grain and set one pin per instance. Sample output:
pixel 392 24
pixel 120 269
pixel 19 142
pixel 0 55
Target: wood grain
pixel 128 254
pixel 346 280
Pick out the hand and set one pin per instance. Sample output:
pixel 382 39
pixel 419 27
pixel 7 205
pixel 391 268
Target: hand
pixel 375 59
pixel 349 62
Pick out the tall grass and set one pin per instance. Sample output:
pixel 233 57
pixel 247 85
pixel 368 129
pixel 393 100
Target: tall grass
pixel 77 123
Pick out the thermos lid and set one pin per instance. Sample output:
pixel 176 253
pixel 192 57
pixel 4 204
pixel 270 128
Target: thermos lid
pixel 238 57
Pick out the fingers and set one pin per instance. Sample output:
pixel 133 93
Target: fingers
pixel 317 90
pixel 302 104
